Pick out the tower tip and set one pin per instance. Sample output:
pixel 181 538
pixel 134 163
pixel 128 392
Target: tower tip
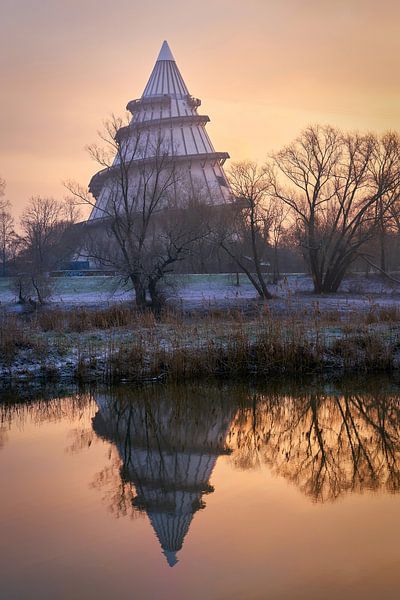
pixel 165 52
pixel 171 557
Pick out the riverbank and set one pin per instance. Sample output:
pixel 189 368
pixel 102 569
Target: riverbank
pixel 117 344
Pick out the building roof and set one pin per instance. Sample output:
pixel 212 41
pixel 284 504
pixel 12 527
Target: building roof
pixel 165 77
pixel 165 52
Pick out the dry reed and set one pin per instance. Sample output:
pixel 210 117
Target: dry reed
pixel 117 343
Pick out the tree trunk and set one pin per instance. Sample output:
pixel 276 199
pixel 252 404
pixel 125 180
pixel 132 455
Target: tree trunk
pixel 140 292
pixel 4 260
pixel 36 286
pixel 383 264
pixel 264 290
pixel 334 278
pixel 21 298
pixel 157 300
pixel 275 277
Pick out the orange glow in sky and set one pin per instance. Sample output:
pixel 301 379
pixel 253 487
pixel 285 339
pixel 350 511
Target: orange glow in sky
pixel 264 69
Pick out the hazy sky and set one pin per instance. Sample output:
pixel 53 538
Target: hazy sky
pixel 264 69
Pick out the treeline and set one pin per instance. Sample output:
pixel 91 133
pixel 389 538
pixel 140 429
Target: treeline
pixel 326 203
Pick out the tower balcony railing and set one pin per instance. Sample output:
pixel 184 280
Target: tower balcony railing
pixel 166 121
pixel 163 100
pixel 192 101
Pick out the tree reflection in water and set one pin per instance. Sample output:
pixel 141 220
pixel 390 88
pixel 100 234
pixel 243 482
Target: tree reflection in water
pixel 325 444
pixel 75 408
pixel 169 439
pixel 3 436
pixel 165 442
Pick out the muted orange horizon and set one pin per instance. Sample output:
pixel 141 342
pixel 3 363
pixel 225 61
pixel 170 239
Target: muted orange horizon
pixel 264 70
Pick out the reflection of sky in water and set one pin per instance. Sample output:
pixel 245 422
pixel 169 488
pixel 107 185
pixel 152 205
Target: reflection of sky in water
pixel 248 494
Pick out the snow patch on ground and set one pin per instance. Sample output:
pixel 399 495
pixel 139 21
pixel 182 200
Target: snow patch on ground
pixel 191 292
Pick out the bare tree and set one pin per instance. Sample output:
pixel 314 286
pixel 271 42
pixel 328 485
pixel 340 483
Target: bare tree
pixel 47 239
pixel 7 233
pixel 140 224
pixel 332 183
pixel 245 230
pixel 279 215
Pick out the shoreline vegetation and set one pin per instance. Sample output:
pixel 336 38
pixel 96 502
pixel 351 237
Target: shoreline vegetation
pixel 117 344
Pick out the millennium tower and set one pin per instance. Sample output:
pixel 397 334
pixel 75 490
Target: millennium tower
pixel 167 110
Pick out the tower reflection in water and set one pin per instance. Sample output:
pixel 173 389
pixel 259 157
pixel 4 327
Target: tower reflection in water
pixel 169 440
pixel 168 448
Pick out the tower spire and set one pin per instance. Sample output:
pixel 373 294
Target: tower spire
pixel 165 52
pixel 165 78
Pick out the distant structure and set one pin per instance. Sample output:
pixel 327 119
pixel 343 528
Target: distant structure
pixel 166 108
pixel 169 457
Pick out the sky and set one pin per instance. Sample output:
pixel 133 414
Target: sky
pixel 264 69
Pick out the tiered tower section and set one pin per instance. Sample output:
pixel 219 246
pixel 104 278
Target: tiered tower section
pixel 167 110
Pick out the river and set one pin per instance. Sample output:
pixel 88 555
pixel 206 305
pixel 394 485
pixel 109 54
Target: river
pixel 204 491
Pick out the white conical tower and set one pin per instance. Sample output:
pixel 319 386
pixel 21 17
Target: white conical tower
pixel 166 108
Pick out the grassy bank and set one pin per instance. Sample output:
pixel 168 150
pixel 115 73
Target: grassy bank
pixel 117 344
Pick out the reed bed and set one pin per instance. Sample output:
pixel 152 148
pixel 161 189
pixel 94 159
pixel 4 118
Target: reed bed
pixel 118 344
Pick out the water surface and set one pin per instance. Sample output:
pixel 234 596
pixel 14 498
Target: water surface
pixel 209 492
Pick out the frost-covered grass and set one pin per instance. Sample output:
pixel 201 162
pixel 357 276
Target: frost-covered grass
pixel 117 343
pixel 90 330
pixel 207 292
pixel 91 291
